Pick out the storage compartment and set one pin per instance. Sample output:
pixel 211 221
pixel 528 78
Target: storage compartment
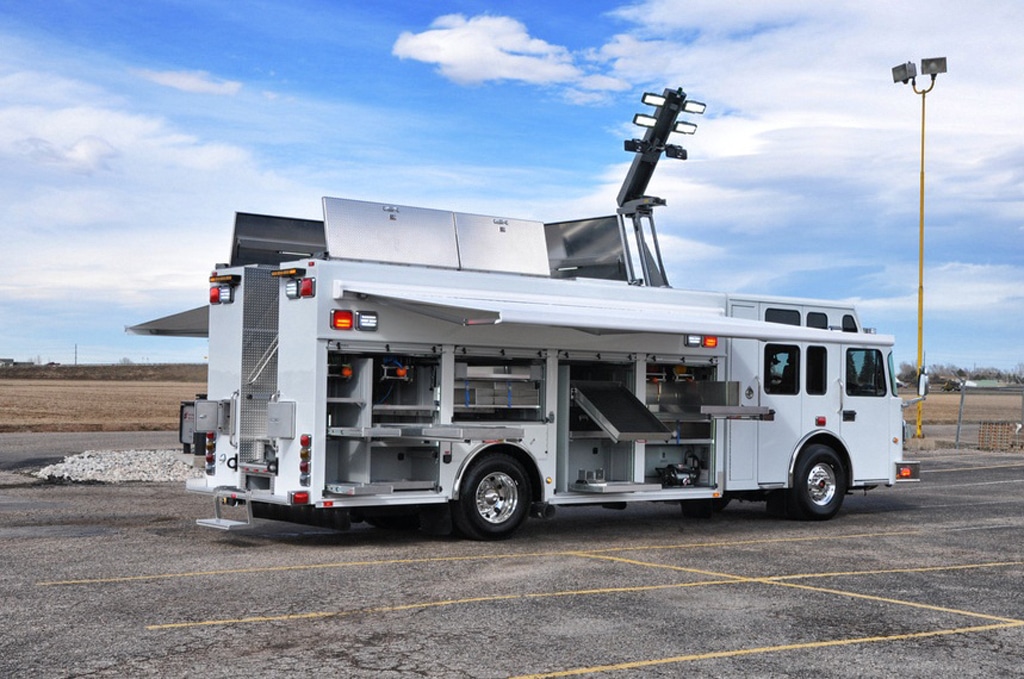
pixel 374 402
pixel 676 393
pixel 487 389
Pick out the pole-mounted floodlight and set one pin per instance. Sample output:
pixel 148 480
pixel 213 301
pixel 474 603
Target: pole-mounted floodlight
pixel 933 67
pixel 905 73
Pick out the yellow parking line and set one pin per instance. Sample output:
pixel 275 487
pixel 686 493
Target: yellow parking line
pixel 314 615
pixel 887 571
pixel 722 579
pixel 451 559
pixel 831 643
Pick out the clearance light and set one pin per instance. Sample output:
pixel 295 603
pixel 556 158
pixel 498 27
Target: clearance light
pixel 820 421
pixel 300 497
pixel 305 441
pixel 710 342
pixel 342 320
pixel 211 447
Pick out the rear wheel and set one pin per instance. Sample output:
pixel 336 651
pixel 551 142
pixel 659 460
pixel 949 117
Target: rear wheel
pixel 819 484
pixel 494 499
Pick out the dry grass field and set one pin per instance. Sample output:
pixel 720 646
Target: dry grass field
pixel 96 398
pixel 146 398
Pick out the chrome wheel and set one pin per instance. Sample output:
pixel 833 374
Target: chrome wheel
pixel 821 484
pixel 497 497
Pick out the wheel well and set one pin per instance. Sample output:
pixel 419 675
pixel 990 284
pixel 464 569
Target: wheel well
pixel 519 455
pixel 833 443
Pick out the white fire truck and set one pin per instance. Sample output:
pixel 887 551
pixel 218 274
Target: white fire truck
pixel 465 372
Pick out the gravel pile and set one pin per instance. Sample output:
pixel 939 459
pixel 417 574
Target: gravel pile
pixel 118 466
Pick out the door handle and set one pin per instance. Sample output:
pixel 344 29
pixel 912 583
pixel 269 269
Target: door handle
pixel 849 416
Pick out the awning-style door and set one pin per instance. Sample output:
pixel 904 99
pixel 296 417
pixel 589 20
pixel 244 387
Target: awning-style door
pixel 589 314
pixel 618 412
pixel 191 323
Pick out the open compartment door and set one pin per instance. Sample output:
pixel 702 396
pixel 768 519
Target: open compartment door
pixel 618 412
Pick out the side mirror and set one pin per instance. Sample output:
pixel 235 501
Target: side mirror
pixel 922 385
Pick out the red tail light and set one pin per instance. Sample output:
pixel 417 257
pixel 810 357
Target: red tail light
pixel 342 320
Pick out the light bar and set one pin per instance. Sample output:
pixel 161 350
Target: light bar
pixel 652 99
pixel 294 272
pixel 230 279
pixel 685 127
pixel 644 120
pixel 697 107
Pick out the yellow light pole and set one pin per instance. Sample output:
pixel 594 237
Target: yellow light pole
pixel 905 73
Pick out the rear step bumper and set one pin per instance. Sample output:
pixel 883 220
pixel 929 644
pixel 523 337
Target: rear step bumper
pixel 228 495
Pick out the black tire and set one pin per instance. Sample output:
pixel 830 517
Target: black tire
pixel 819 484
pixel 494 499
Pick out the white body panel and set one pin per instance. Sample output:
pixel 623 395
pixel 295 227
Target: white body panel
pixel 435 318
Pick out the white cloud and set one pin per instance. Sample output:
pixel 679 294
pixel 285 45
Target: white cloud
pixel 196 82
pixel 86 154
pixel 485 48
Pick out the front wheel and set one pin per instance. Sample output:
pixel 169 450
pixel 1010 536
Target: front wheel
pixel 819 484
pixel 494 499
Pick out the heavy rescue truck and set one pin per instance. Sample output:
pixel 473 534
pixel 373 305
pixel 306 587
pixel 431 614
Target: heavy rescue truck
pixel 466 372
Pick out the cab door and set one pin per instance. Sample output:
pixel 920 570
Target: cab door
pixel 781 378
pixel 866 405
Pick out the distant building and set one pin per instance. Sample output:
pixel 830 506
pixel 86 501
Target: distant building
pixel 5 362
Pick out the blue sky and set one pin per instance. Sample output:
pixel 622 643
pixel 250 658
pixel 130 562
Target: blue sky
pixel 130 133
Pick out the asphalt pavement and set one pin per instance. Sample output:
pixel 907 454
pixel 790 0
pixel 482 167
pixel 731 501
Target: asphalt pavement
pixel 918 581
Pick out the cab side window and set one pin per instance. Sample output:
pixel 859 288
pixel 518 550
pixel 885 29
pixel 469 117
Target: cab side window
pixel 781 369
pixel 865 373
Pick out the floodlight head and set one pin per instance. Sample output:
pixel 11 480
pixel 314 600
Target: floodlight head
pixel 697 107
pixel 673 151
pixel 684 127
pixel 652 99
pixel 934 66
pixel 644 120
pixel 904 73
